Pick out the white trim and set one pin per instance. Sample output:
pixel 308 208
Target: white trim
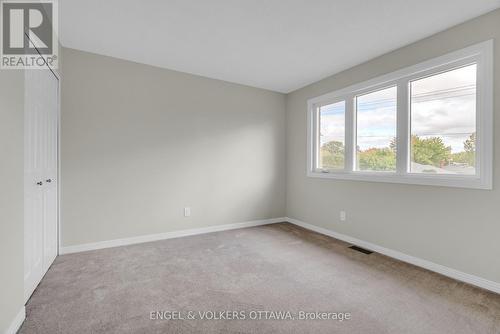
pixel 445 180
pixel 402 127
pixel 17 322
pixel 443 270
pixel 350 134
pixel 166 235
pixel 482 54
pixel 59 174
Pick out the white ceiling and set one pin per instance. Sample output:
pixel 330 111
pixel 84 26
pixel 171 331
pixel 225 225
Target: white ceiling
pixel 279 45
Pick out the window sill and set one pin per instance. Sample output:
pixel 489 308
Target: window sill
pixel 455 181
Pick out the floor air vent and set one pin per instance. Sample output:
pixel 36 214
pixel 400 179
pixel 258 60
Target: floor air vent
pixel 362 250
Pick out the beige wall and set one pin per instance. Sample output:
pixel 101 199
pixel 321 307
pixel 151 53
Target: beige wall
pixel 11 196
pixel 458 228
pixel 140 143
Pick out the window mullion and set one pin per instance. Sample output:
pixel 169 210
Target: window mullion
pixel 315 144
pixel 403 128
pixel 350 133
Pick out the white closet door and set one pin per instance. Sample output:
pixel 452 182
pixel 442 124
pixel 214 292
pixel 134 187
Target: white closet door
pixel 49 179
pixel 40 180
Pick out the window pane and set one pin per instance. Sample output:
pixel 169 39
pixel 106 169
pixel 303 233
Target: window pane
pixel 443 122
pixel 332 136
pixel 376 130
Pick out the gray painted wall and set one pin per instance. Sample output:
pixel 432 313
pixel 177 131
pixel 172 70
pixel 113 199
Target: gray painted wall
pixel 11 196
pixel 458 228
pixel 140 143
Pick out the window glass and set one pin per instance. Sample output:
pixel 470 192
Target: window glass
pixel 443 123
pixel 332 136
pixel 376 130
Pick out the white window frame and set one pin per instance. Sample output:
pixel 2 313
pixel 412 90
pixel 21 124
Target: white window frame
pixel 480 54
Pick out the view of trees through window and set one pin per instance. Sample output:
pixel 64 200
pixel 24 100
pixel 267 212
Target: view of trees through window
pixel 332 136
pixel 443 127
pixel 443 122
pixel 375 129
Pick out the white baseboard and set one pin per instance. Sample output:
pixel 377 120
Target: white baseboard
pixel 452 273
pixel 17 322
pixel 446 271
pixel 166 235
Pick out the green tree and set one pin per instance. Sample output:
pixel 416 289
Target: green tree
pixel 468 156
pixel 470 143
pixel 393 144
pixel 430 151
pixel 333 147
pixel 377 159
pixel 332 155
pixel 463 158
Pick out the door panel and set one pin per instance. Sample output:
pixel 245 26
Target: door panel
pixel 40 185
pixel 50 175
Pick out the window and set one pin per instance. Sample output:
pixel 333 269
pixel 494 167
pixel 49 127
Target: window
pixel 332 136
pixel 427 124
pixel 376 130
pixel 443 122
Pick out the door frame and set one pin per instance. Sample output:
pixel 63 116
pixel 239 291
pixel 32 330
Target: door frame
pixel 58 77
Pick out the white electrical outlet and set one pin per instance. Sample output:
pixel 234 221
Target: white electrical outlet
pixel 343 216
pixel 187 211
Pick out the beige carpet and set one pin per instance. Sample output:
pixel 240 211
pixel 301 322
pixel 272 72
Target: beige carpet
pixel 271 268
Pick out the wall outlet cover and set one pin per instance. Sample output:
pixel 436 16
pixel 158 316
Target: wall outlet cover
pixel 343 216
